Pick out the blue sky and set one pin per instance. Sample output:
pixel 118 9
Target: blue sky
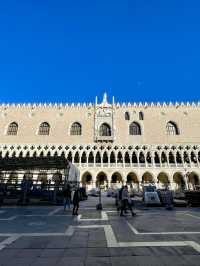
pixel 71 50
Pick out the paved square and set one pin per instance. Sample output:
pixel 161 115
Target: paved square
pixel 50 236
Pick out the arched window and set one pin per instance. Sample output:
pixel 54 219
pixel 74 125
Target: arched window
pixel 104 130
pixel 75 129
pixel 44 129
pixel 172 129
pixel 134 129
pixel 127 116
pixel 141 116
pixel 12 129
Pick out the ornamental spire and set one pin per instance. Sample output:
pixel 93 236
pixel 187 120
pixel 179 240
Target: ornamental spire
pixel 105 100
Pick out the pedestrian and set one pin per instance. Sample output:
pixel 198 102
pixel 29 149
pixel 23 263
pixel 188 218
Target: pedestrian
pixel 126 202
pixel 67 196
pixel 76 199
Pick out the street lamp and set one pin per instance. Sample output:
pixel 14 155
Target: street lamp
pixel 99 205
pixel 187 173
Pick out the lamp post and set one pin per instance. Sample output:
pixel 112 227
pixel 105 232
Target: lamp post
pixel 187 173
pixel 99 205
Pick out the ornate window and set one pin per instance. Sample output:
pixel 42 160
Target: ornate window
pixel 172 129
pixel 127 116
pixel 134 129
pixel 105 130
pixel 12 129
pixel 75 129
pixel 141 116
pixel 44 129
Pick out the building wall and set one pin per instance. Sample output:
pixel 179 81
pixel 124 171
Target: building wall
pixel 60 119
pixel 154 138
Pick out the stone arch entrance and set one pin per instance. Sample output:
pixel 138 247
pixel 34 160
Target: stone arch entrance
pixel 147 178
pixel 86 180
pixel 193 181
pixel 179 181
pixel 116 180
pixel 163 180
pixel 132 181
pixel 102 180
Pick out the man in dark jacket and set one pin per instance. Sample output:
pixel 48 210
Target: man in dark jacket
pixel 76 200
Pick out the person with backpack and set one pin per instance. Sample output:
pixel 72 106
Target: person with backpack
pixel 126 201
pixel 67 196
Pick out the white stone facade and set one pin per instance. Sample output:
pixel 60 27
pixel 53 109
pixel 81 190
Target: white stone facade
pixel 110 143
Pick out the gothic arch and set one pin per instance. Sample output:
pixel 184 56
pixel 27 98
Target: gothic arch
pixel 163 178
pixel 193 181
pixel 179 181
pixel 86 178
pixel 147 177
pixel 116 178
pixel 102 180
pixel 105 157
pixel 112 157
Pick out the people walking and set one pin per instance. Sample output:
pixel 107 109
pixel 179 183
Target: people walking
pixel 76 199
pixel 67 196
pixel 126 202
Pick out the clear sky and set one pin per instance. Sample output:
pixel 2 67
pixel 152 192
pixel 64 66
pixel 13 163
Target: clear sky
pixel 71 50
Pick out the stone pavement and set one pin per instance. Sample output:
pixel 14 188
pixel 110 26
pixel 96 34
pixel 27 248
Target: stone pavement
pixel 50 236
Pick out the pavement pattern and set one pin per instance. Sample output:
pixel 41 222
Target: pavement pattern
pixel 51 236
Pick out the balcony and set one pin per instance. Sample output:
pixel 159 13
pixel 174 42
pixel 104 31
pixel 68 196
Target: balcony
pixel 104 138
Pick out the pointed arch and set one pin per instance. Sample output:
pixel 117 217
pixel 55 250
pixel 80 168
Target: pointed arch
pixel 193 181
pixel 105 157
pixel 127 116
pixel 134 129
pixel 163 178
pixel 179 181
pixel 141 115
pixel 116 178
pixel 102 180
pixel 76 158
pixel 98 157
pixel 148 158
pixel 83 157
pixel 193 157
pixel 119 157
pixel 76 129
pixel 132 178
pixel 86 179
pixel 134 158
pixel 91 158
pixel 171 158
pixel 156 158
pixel 172 128
pixel 112 157
pixel 141 157
pixel 186 158
pixel 12 129
pixel 44 129
pixel 105 130
pixel 163 157
pixel 178 158
pixel 127 158
pixel 69 156
pixel 147 177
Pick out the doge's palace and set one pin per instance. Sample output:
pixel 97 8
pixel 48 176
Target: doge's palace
pixel 111 143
